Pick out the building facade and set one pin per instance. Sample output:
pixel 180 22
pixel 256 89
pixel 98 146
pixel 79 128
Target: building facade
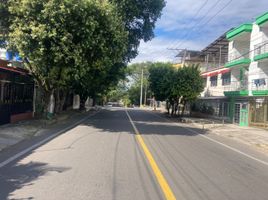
pixel 16 90
pixel 248 63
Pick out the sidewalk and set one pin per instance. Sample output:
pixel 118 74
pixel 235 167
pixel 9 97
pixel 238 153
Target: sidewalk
pixel 11 134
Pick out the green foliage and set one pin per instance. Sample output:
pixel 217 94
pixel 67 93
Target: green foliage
pixel 139 17
pixel 188 83
pixel 4 21
pixel 175 86
pixel 134 94
pixel 58 38
pixel 134 74
pixel 161 79
pixel 81 46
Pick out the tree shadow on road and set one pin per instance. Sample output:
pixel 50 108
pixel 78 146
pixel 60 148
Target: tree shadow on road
pixel 18 176
pixel 111 121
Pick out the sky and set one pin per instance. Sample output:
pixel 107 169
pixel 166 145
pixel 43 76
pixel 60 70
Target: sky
pixel 194 24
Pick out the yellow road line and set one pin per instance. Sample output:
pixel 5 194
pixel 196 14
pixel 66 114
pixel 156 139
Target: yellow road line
pixel 159 176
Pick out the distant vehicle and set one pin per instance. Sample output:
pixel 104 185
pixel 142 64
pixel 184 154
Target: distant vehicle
pixel 114 104
pixel 110 104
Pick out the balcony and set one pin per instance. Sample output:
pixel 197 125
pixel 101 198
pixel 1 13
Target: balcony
pixel 236 59
pixel 261 52
pixel 262 20
pixel 236 88
pixel 259 87
pixel 241 32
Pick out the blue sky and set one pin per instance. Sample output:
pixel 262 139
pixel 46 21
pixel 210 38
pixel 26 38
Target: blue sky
pixel 182 26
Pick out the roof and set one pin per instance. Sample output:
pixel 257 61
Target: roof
pixel 215 46
pixel 4 66
pixel 192 53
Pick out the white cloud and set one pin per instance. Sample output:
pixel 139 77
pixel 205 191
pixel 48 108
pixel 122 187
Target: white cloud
pixel 177 19
pixel 157 50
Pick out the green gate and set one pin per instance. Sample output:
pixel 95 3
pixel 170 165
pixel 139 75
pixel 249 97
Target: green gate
pixel 244 115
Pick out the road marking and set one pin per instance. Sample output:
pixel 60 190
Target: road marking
pixel 160 178
pixel 16 156
pixel 213 140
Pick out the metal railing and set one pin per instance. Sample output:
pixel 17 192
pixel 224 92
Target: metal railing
pixel 261 48
pixel 236 86
pixel 233 56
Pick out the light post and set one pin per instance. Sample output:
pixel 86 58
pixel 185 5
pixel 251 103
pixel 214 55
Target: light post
pixel 141 87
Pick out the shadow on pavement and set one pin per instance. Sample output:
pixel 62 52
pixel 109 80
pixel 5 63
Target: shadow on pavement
pixel 22 175
pixel 110 121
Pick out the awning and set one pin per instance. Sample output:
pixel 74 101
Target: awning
pixel 16 70
pixel 216 72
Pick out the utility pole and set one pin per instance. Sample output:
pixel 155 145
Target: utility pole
pixel 141 87
pixel 145 94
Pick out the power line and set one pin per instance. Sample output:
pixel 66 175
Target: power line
pixel 211 18
pixel 197 13
pixel 198 22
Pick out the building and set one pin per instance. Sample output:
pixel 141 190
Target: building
pixel 16 92
pixel 212 100
pixel 248 62
pixel 238 89
pixel 189 57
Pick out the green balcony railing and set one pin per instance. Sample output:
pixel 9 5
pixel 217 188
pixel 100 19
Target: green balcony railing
pixel 238 62
pixel 244 28
pixel 236 88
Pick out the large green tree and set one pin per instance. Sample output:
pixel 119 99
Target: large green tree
pixel 4 22
pixel 82 46
pixel 139 18
pixel 175 86
pixel 189 85
pixel 67 40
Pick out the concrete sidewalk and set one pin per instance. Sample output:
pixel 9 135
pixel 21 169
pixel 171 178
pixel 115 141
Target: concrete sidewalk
pixel 11 134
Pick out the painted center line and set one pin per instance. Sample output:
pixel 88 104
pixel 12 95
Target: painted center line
pixel 157 172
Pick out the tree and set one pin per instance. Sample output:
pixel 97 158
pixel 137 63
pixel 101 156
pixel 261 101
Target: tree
pixel 189 84
pixel 176 87
pixel 4 22
pixel 139 18
pixel 161 80
pixel 67 41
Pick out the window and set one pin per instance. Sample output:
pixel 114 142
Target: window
pixel 259 82
pixel 226 78
pixel 213 81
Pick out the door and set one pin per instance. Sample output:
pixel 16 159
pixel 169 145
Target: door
pixel 5 95
pixel 237 113
pixel 244 115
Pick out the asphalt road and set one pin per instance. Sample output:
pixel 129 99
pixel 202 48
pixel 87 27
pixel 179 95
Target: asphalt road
pixel 103 159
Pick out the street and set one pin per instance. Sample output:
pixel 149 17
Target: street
pixel 105 158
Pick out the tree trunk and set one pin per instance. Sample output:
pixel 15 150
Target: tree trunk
pixel 62 100
pixel 183 108
pixel 50 104
pixel 94 101
pixel 57 100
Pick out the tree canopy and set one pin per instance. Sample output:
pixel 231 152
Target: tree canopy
pixel 176 86
pixel 81 46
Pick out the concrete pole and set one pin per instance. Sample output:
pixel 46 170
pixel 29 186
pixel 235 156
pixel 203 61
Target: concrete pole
pixel 145 94
pixel 141 88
